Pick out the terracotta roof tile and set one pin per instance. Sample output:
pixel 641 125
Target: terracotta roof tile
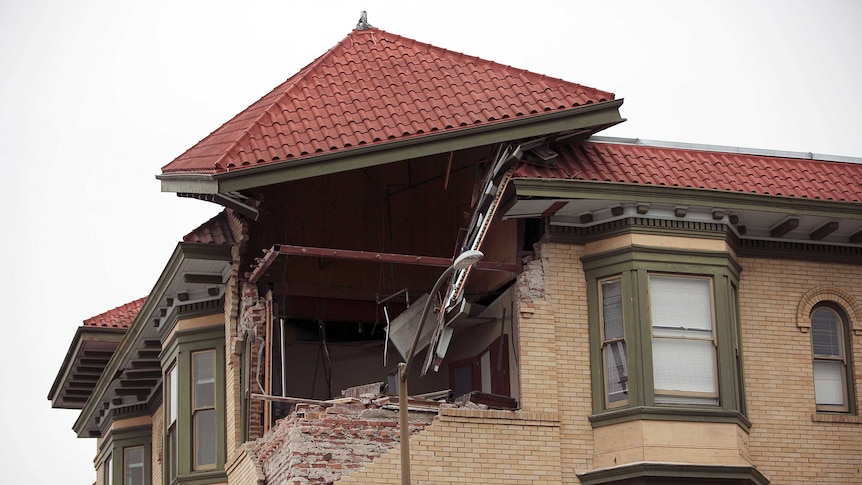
pixel 702 169
pixel 373 87
pixel 120 317
pixel 214 231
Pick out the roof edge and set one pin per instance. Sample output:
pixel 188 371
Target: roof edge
pixel 591 189
pixel 70 353
pixel 726 149
pixel 183 251
pixel 597 116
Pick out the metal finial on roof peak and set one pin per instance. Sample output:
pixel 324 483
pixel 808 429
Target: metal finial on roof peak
pixel 363 21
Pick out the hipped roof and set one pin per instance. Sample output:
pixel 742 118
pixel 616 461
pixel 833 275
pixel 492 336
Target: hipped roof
pixel 374 87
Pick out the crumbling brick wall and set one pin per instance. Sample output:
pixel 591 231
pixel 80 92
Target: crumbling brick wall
pixel 318 444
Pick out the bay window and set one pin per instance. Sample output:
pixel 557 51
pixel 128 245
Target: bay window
pixel 664 336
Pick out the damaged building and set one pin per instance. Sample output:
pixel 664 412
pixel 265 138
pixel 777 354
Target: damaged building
pixel 642 312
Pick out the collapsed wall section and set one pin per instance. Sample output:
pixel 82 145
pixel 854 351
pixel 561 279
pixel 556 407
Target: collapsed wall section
pixel 317 444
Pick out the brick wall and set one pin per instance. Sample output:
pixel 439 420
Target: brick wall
pixel 157 449
pixel 320 445
pixel 787 443
pixel 565 289
pixel 475 446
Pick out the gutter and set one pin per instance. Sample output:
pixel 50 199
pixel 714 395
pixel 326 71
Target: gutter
pixel 596 115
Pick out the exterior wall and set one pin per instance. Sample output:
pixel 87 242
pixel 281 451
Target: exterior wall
pixel 789 442
pixel 565 288
pixel 157 445
pixel 475 446
pixel 244 469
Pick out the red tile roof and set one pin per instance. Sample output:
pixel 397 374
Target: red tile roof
pixel 371 88
pixel 120 317
pixel 702 169
pixel 214 231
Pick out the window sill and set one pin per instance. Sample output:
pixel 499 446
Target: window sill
pixel 670 413
pixel 836 418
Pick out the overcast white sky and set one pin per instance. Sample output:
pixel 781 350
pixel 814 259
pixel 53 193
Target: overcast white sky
pixel 96 96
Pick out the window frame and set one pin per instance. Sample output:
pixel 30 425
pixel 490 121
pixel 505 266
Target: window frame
pixel 197 411
pixel 179 347
pixel 126 463
pixel 634 264
pixel 846 372
pixel 606 343
pixel 113 449
pixel 691 335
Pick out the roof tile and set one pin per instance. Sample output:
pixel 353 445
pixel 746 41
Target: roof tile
pixel 373 87
pixel 214 231
pixel 120 317
pixel 702 169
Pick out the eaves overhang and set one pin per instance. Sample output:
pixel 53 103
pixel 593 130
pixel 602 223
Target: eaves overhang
pixel 84 362
pixel 586 203
pixel 590 117
pixel 209 264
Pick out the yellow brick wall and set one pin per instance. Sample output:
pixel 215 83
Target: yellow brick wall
pixel 156 446
pixel 786 443
pixel 474 446
pixel 565 290
pixel 243 470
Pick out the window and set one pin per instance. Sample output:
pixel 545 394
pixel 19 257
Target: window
pixel 109 470
pixel 203 410
pixel 664 335
pixel 133 465
pixel 487 372
pixel 683 346
pixel 830 348
pixel 613 342
pixel 171 420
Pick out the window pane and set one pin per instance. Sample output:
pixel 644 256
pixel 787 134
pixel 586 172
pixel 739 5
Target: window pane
pixel 612 309
pixel 205 438
pixel 134 466
pixel 172 452
pixel 826 333
pixel 172 394
pixel 203 371
pixel 680 302
pixel 829 382
pixel 109 470
pixel 683 365
pixel 617 371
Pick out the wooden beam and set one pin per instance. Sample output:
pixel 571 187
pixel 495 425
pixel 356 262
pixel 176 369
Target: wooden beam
pixel 138 383
pixel 856 238
pixel 782 229
pixel 554 208
pixel 351 254
pixel 824 230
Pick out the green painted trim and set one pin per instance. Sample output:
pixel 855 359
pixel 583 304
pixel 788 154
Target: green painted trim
pixel 116 441
pixel 92 334
pixel 596 115
pixel 638 225
pixel 635 263
pixel 585 189
pixel 178 352
pixel 643 473
pixel 795 250
pixel 670 413
pixel 182 252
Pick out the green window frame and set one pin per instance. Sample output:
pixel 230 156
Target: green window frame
pixel 194 430
pixel 128 458
pixel 673 303
pixel 831 355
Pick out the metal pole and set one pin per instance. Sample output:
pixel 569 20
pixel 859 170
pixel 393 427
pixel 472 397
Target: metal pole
pixel 403 425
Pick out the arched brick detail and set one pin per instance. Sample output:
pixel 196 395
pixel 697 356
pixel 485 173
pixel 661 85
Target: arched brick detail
pixel 836 295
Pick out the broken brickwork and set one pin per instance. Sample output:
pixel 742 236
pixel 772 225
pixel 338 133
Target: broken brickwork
pixel 321 444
